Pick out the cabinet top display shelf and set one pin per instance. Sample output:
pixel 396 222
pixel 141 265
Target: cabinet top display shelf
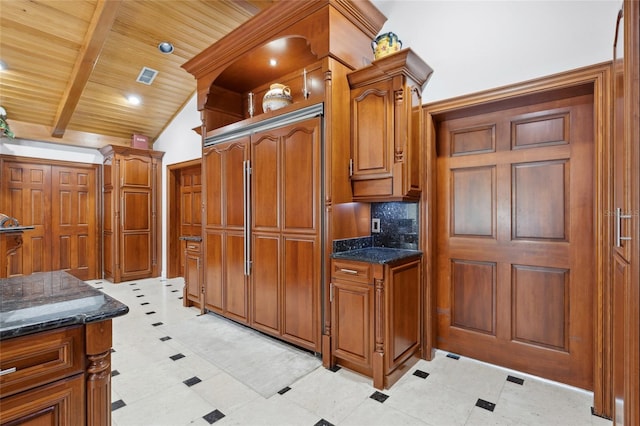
pixel 300 36
pixel 404 62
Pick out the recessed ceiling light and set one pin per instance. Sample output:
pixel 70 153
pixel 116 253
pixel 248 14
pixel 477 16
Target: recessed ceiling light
pixel 165 47
pixel 134 100
pixel 273 62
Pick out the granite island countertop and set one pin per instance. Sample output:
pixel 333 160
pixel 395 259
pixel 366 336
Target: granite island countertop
pixel 380 255
pixel 49 300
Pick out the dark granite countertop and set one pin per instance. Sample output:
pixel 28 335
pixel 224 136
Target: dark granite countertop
pixel 381 255
pixel 190 238
pixel 48 300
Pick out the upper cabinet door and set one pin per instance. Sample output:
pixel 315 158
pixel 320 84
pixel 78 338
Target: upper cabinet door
pixel 135 171
pixel 223 168
pixel 386 128
pixel 372 131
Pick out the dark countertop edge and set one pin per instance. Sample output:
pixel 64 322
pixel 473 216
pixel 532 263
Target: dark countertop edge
pixel 16 229
pixel 360 255
pixel 78 319
pixel 190 238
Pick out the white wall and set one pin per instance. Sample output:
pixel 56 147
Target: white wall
pixel 477 45
pixel 49 151
pixel 179 143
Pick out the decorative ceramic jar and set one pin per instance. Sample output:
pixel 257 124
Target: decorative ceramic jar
pixel 385 44
pixel 278 96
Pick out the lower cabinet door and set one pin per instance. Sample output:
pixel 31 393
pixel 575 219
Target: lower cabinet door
pixel 352 324
pixel 59 403
pixel 192 276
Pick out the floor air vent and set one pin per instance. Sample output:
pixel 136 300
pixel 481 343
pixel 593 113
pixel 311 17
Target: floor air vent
pixel 147 75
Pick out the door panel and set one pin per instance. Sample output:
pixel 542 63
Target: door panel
pixel 516 238
pixel 136 212
pixel 300 290
pixel 265 278
pixel 191 201
pixel 213 271
pixel 235 291
pixel 29 201
pixel 300 178
pixel 265 183
pixel 224 279
pixel 74 229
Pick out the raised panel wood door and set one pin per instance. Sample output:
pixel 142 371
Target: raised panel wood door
pixel 285 273
pixel 515 239
pixel 137 215
pixel 225 281
pixel 74 222
pixel 372 130
pixel 266 269
pixel 27 197
pixel 190 190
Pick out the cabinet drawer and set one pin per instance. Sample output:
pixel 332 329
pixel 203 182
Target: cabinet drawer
pixel 193 246
pixel 351 271
pixel 36 359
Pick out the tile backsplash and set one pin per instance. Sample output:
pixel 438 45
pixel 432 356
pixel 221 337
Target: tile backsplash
pixel 399 228
pixel 398 225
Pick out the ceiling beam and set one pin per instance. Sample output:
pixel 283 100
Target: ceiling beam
pixel 99 28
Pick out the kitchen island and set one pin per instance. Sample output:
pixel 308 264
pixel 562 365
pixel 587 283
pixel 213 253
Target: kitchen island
pixel 55 335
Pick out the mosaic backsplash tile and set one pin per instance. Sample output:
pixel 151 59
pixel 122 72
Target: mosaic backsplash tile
pixel 352 244
pixel 398 225
pixel 398 228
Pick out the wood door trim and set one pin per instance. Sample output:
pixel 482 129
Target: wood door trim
pixel 172 230
pixel 594 78
pixel 632 138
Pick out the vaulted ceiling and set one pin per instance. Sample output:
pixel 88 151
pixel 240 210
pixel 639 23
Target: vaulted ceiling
pixel 71 64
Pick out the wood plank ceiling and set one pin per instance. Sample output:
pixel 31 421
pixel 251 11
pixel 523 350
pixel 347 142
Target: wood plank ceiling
pixel 72 63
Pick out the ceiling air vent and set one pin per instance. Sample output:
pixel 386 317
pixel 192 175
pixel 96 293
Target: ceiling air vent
pixel 147 75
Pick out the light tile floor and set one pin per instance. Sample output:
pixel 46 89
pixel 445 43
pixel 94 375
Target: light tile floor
pixel 162 376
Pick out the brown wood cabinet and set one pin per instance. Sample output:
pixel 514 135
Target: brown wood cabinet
pixel 132 216
pixel 376 317
pixel 299 171
pixel 285 232
pixel 386 127
pixel 193 287
pixel 57 377
pixel 225 284
pixel 262 230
